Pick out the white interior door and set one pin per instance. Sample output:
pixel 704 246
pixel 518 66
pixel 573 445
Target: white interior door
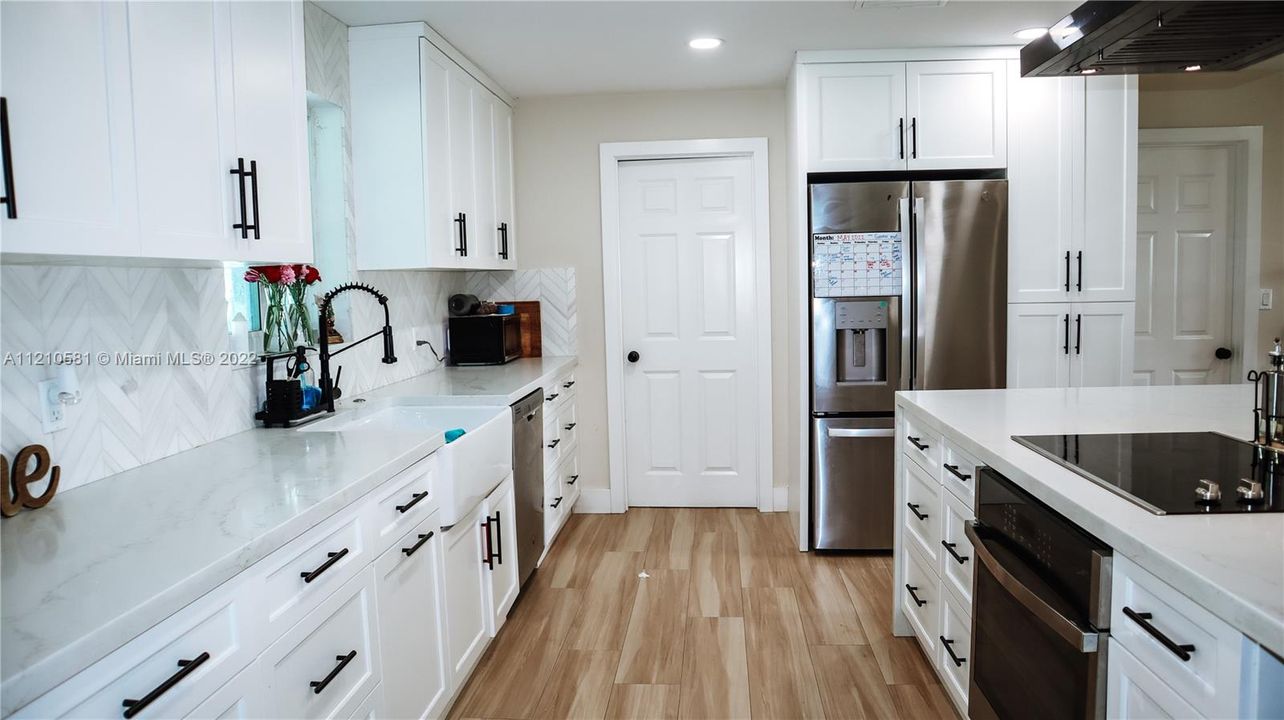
pixel 689 312
pixel 1185 261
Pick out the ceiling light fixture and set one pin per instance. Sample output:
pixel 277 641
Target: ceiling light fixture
pixel 1088 71
pixel 1194 68
pixel 1030 33
pixel 705 43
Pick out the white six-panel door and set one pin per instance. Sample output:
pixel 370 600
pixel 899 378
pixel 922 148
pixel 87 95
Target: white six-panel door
pixel 689 311
pixel 1185 261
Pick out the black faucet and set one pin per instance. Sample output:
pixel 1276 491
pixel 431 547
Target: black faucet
pixel 330 389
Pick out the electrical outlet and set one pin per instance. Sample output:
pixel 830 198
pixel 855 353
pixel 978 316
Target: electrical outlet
pixel 52 413
pixel 1265 302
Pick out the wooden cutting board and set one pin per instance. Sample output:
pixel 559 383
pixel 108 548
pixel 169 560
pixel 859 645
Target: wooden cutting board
pixel 528 324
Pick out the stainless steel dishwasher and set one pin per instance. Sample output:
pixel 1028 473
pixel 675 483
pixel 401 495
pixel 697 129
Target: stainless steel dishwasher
pixel 528 480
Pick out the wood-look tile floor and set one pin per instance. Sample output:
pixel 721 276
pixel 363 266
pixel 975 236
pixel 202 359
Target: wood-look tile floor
pixel 729 621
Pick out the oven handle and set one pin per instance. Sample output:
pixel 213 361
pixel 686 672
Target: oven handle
pixel 1067 629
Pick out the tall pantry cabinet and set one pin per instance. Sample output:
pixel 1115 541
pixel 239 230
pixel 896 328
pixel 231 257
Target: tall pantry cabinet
pixel 432 154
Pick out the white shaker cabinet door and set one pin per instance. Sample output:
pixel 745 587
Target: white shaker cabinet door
pixel 957 114
pixel 503 581
pixel 408 584
pixel 459 90
pixel 1045 155
pixel 1135 692
pixel 271 128
pixel 1107 270
pixel 1102 339
pixel 466 612
pixel 64 76
pixel 483 250
pixel 855 117
pixel 504 211
pixel 182 86
pixel 1038 345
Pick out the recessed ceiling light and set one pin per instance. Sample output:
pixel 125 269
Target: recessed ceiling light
pixel 1088 71
pixel 1194 68
pixel 705 43
pixel 1030 33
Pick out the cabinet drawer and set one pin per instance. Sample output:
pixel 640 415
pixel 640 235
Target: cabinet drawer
pixel 1133 691
pixel 169 669
pixel 403 501
pixel 1209 678
pixel 298 576
pixel 552 444
pixel 555 507
pixel 958 472
pixel 328 663
pixel 567 424
pixel 242 698
pixel 956 550
pixel 955 638
pixel 557 393
pixel 921 511
pixel 568 474
pixel 920 597
pixel 922 444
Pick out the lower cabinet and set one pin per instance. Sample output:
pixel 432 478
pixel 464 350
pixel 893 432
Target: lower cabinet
pixel 1086 344
pixel 502 581
pixel 1134 692
pixel 243 697
pixel 466 612
pixel 409 587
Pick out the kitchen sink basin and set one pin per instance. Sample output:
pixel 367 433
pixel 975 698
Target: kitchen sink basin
pixel 470 467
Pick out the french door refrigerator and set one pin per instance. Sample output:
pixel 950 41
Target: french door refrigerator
pixel 908 292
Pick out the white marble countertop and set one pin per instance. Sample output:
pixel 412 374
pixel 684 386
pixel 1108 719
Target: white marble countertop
pixel 106 561
pixel 1231 565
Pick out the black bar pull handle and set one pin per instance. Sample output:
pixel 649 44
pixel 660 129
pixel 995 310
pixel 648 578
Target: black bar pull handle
pixel 462 248
pixel 572 480
pixel 1078 277
pixel 958 661
pixel 1065 346
pixel 503 241
pixel 422 539
pixel 463 229
pixel 334 557
pixel 914 509
pixel 568 384
pixel 254 195
pixel 499 539
pixel 949 547
pixel 900 136
pixel 244 225
pixel 489 558
pixel 1182 651
pixel 10 198
pixel 1078 332
pixel 557 502
pixel 185 668
pixel 917 442
pixel 414 500
pixel 319 685
pixel 551 398
pixel 1067 271
pixel 911 589
pixel 954 470
pixel 554 443
pixel 913 137
pixel 570 426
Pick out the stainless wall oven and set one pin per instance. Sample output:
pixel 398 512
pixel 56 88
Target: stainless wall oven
pixel 1040 609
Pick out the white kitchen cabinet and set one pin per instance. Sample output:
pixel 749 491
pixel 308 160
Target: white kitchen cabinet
pixel 855 116
pixel 1072 189
pixel 957 114
pixel 1133 692
pixel 426 136
pixel 502 582
pixel 506 250
pixel 905 116
pixel 1070 344
pixel 64 76
pixel 465 596
pixel 409 584
pixel 242 698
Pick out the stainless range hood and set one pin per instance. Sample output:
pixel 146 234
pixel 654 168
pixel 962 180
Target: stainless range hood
pixel 1117 38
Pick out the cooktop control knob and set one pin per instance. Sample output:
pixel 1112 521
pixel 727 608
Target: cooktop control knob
pixel 1208 491
pixel 1250 491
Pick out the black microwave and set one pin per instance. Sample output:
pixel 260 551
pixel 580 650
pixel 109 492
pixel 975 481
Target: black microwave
pixel 484 339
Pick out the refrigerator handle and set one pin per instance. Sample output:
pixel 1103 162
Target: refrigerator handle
pixel 907 296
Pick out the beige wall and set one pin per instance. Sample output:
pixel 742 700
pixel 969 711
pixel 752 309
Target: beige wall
pixel 559 214
pixel 1249 97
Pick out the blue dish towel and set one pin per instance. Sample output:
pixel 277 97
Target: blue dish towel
pixel 453 435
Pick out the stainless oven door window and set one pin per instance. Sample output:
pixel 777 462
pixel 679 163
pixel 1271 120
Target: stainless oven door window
pixel 1025 662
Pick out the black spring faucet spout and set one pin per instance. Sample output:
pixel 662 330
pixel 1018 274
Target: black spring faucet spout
pixel 330 388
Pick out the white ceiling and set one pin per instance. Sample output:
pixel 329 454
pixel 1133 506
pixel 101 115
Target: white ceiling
pixel 534 47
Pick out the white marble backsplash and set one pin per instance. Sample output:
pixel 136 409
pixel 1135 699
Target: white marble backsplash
pixel 554 288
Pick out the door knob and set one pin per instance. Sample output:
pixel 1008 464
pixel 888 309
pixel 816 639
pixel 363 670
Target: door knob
pixel 1222 353
pixel 634 356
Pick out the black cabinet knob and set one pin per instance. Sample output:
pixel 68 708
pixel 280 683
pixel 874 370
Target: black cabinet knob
pixel 1223 353
pixel 634 356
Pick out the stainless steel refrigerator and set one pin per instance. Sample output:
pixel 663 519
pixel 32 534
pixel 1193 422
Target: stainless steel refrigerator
pixel 908 292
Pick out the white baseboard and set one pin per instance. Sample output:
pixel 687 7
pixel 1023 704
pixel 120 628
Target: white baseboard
pixel 594 501
pixel 781 498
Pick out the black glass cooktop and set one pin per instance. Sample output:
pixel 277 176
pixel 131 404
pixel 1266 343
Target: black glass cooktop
pixel 1162 471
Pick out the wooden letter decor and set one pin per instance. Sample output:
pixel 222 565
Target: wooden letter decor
pixel 15 491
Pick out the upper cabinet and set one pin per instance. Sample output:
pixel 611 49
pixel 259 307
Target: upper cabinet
pixel 450 205
pixel 1072 196
pixel 905 116
pixel 188 134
